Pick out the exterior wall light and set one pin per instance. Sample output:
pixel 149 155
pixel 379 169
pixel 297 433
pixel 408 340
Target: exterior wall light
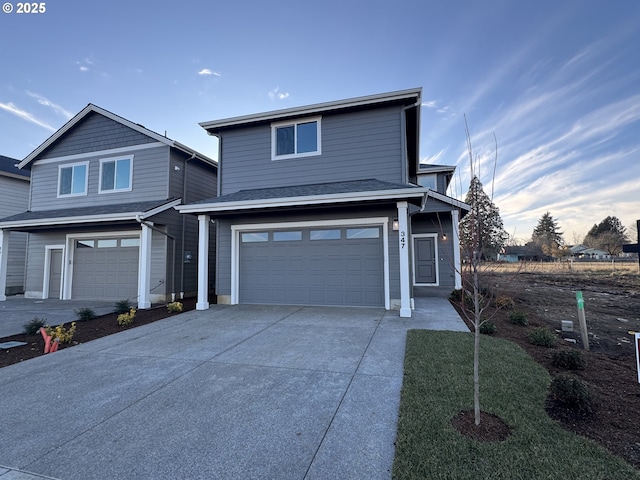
pixel 395 225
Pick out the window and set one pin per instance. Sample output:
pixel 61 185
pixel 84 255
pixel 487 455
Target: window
pixel 115 174
pixel 108 243
pixel 295 139
pixel 85 244
pixel 72 179
pixel 255 237
pixel 287 236
pixel 363 233
pixel 428 181
pixel 130 242
pixel 324 235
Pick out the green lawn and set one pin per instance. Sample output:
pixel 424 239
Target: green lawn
pixel 438 383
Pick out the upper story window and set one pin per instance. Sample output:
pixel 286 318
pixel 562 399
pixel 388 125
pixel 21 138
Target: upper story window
pixel 72 179
pixel 115 174
pixel 299 138
pixel 429 181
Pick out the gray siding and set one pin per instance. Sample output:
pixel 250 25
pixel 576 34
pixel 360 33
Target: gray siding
pixel 35 260
pixel 201 178
pixel 150 172
pixel 95 132
pixel 355 146
pixel 223 271
pixel 14 198
pixel 432 223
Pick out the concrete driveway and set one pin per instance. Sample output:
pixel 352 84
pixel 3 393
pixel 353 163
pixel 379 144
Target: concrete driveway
pixel 232 392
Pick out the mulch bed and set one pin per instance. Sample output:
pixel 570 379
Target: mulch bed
pixel 85 332
pixel 491 428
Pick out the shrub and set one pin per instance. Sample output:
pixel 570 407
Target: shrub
pixel 503 301
pixel 456 295
pixel 572 394
pixel 33 326
pixel 174 307
pixel 125 319
pixel 518 317
pixel 543 337
pixel 123 306
pixel 64 335
pixel 85 314
pixel 569 360
pixel 488 328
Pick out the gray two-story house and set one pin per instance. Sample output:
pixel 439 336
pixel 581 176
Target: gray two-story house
pixel 14 198
pixel 325 205
pixel 100 215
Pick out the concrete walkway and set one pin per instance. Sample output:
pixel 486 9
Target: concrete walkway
pixel 231 392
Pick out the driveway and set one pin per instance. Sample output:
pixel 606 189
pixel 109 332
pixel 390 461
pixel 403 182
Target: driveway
pixel 231 392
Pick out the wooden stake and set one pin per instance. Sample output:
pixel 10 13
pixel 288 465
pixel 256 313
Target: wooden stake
pixel 583 321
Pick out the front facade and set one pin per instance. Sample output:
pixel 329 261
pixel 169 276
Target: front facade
pixel 14 198
pixel 100 215
pixel 321 205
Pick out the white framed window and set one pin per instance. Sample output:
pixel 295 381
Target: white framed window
pixel 299 138
pixel 115 174
pixel 429 181
pixel 72 179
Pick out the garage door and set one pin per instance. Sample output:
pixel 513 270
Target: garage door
pixel 314 266
pixel 105 268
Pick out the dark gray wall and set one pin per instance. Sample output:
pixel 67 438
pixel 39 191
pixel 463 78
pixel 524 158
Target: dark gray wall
pixel 14 198
pixel 439 224
pixel 355 146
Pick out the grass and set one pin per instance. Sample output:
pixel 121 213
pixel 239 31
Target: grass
pixel 619 267
pixel 438 383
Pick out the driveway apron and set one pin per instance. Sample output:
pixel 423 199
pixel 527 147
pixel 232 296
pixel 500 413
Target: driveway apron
pixel 232 392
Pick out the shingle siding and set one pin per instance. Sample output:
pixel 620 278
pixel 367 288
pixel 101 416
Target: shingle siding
pixel 95 133
pixel 355 146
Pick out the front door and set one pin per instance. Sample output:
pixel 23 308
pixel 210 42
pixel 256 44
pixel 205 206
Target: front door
pixel 55 273
pixel 424 254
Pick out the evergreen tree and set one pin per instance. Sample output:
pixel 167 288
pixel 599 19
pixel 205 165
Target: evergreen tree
pixel 481 230
pixel 548 236
pixel 609 235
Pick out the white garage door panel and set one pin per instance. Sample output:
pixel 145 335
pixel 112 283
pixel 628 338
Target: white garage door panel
pixel 337 271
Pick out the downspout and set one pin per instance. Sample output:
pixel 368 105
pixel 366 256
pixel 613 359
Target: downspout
pixel 173 250
pixel 184 223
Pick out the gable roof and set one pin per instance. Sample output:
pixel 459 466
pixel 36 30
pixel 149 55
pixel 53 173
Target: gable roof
pixel 401 97
pixel 312 194
pixel 9 168
pixel 116 118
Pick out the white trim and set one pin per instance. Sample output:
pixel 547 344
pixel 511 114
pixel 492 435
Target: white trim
pixel 203 262
pixel 86 179
pixel 108 217
pixel 47 270
pixel 457 266
pixel 237 229
pixel 435 254
pixel 416 192
pixel 403 257
pixel 451 201
pixel 144 266
pixel 295 123
pixel 4 259
pixel 115 160
pixel 67 271
pixel 99 153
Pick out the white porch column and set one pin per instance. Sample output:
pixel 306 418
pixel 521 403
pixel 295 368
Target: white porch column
pixel 144 267
pixel 4 255
pixel 457 267
pixel 203 262
pixel 403 245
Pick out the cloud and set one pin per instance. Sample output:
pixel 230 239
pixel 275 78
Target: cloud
pixel 276 94
pixel 11 108
pixel 430 104
pixel 433 158
pixel 208 71
pixel 47 103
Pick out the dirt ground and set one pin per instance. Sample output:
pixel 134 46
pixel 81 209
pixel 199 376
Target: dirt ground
pixel 612 311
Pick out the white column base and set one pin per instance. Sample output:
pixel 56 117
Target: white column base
pixel 203 263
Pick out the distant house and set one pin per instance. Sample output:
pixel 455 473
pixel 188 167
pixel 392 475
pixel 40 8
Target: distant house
pixel 100 214
pixel 14 198
pixel 328 204
pixel 580 251
pixel 521 253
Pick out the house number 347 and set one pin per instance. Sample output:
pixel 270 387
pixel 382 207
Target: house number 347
pixel 403 239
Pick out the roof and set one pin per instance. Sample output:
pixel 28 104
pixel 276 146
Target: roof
pixel 402 97
pixel 116 118
pixel 94 214
pixel 430 168
pixel 449 200
pixel 312 194
pixel 9 168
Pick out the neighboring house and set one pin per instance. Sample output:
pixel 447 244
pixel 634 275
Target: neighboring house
pixel 100 218
pixel 322 205
pixel 581 251
pixel 14 198
pixel 520 253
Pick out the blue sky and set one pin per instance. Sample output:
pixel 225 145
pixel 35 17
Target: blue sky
pixel 557 82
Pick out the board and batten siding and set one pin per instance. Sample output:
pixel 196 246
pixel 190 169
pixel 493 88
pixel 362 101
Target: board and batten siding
pixel 94 133
pixel 223 245
pixel 14 198
pixel 355 146
pixel 36 260
pixel 202 179
pixel 431 223
pixel 149 181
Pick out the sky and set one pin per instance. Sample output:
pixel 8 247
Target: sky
pixel 554 85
